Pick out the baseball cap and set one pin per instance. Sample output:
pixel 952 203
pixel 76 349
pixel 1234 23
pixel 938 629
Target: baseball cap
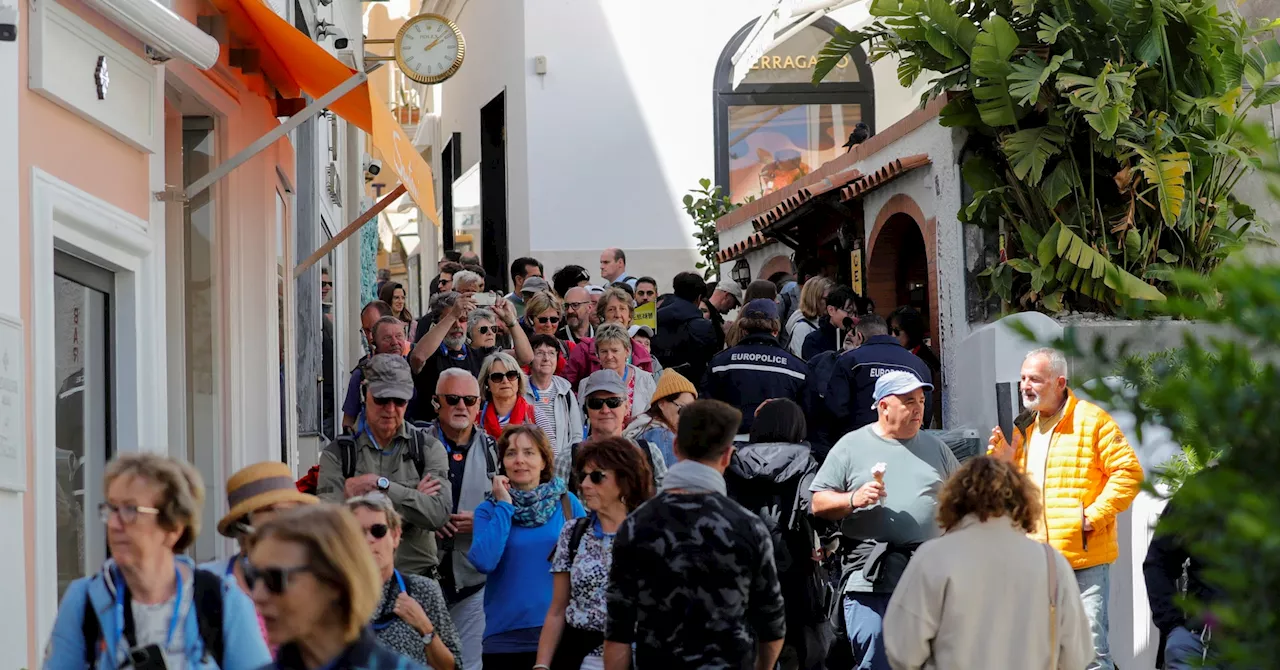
pixel 731 287
pixel 604 381
pixel 592 289
pixel 897 383
pixel 534 285
pixel 388 376
pixel 636 329
pixel 760 308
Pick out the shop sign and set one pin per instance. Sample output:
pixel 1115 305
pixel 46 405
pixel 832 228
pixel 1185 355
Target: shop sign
pixel 800 62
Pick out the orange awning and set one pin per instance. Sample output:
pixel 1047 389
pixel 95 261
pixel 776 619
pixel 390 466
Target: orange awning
pixel 293 61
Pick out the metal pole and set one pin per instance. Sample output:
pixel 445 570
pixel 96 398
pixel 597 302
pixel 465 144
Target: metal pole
pixel 276 133
pixel 349 230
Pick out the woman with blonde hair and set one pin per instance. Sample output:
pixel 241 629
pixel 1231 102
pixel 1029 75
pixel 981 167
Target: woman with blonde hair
pixel 150 604
pixel 503 386
pixel 543 312
pixel 614 350
pixel 945 612
pixel 315 582
pixel 412 618
pixel 813 304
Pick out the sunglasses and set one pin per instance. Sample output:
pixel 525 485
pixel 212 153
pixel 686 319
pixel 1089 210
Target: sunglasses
pixel 509 375
pixel 377 530
pixel 484 330
pixel 398 402
pixel 275 579
pixel 451 400
pixel 612 402
pixel 548 319
pixel 596 476
pixel 326 284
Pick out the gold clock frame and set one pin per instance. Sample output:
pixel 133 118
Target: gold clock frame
pixel 430 79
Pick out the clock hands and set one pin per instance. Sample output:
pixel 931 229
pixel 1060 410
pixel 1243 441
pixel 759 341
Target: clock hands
pixel 429 46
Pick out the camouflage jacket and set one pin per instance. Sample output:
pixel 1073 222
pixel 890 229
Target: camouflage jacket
pixel 693 583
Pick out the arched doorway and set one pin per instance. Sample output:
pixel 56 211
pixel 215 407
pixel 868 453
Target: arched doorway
pixel 898 271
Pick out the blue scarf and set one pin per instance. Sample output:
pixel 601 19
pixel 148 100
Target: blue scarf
pixel 535 508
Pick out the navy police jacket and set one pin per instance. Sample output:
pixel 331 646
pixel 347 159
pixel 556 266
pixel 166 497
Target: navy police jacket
pixel 756 370
pixel 853 383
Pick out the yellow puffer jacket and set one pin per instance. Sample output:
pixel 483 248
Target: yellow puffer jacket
pixel 1091 473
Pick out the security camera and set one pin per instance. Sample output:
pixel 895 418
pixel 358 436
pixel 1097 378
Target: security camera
pixel 8 24
pixel 371 170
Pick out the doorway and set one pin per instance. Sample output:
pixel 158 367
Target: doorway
pixel 493 189
pixel 83 297
pixel 898 270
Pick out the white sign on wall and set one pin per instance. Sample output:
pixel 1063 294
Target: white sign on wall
pixel 13 421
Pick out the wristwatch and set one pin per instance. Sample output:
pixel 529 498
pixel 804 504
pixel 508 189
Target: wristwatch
pixel 383 484
pixel 428 637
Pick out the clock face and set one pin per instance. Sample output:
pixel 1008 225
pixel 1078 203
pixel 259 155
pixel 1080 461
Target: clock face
pixel 429 48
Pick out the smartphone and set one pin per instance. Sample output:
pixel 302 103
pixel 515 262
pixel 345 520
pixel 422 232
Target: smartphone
pixel 147 658
pixel 485 299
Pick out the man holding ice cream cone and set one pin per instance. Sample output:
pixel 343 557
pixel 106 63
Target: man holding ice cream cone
pixel 881 483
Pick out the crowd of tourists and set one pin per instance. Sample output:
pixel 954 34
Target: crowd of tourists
pixel 536 481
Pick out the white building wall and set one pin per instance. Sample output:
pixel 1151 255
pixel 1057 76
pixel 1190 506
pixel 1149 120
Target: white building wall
pixel 603 147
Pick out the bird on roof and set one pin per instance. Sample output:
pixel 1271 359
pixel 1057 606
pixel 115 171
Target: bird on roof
pixel 859 135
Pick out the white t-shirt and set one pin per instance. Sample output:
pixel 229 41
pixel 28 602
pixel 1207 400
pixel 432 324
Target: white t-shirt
pixel 1038 446
pixel 151 626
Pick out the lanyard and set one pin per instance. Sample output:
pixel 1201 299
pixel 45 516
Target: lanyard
pixel 458 356
pixel 173 623
pixel 231 564
pixel 502 420
pixel 384 621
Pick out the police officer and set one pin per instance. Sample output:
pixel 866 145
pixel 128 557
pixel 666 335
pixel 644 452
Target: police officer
pixel 853 382
pixel 757 369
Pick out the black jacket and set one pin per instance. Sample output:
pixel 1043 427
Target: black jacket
pixel 364 653
pixel 853 382
pixel 1162 570
pixel 685 341
pixel 826 338
pixel 823 431
pixel 756 370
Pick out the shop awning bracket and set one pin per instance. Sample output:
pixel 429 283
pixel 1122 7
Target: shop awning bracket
pixel 202 184
pixel 350 230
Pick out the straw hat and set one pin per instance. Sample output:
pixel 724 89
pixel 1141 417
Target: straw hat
pixel 257 486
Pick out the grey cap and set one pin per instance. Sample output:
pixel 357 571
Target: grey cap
pixel 605 381
pixel 534 285
pixel 637 329
pixel 731 287
pixel 388 376
pixel 897 382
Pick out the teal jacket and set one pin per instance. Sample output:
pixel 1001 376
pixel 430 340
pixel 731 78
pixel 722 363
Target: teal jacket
pixel 243 646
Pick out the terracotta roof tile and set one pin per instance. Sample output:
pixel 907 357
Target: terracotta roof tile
pixel 895 168
pixel 755 241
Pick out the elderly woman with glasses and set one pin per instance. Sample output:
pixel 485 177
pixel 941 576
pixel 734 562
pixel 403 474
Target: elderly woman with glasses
pixel 482 331
pixel 555 408
pixel 614 479
pixel 613 350
pixel 502 393
pixel 412 618
pixel 604 395
pixel 543 314
pixel 149 601
pixel 314 579
pixel 615 306
pixel 516 529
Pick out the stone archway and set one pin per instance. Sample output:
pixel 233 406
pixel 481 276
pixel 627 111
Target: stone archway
pixel 775 265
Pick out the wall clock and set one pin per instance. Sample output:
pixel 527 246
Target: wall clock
pixel 429 48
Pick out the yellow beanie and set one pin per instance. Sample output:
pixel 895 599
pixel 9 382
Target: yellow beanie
pixel 672 383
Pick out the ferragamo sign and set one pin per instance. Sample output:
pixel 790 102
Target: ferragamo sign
pixel 801 62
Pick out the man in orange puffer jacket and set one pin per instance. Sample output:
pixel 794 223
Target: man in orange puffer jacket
pixel 1088 473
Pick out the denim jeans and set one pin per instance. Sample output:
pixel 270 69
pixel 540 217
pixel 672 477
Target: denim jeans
pixel 1095 587
pixel 468 618
pixel 1183 650
pixel 864 617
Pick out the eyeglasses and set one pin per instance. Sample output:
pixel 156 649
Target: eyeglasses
pixel 548 319
pixel 451 399
pixel 576 305
pixel 275 579
pixel 596 476
pixel 377 530
pixel 128 513
pixel 484 330
pixel 509 375
pixel 546 353
pixel 612 402
pixel 398 402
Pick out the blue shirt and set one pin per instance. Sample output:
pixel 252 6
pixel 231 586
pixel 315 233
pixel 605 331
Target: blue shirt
pixel 517 594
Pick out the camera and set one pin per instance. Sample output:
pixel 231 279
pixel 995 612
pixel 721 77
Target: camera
pixel 8 24
pixel 326 29
pixel 372 169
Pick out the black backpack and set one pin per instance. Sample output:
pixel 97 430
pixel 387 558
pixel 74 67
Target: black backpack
pixel 580 526
pixel 206 599
pixel 415 453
